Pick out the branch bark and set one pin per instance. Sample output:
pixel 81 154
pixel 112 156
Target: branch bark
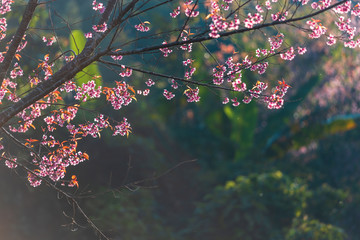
pixel 9 56
pixel 225 34
pixel 67 72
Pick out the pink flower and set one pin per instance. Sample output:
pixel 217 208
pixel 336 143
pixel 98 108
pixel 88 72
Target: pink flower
pixel 166 51
pixel 88 35
pixel 235 102
pixel 11 164
pixel 175 12
pixel 302 51
pixel 168 95
pixel 192 94
pixel 149 82
pixel 100 28
pixel 98 7
pixel 142 27
pixel 123 128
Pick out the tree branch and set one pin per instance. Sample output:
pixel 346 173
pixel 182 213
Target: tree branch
pixel 27 16
pixel 225 34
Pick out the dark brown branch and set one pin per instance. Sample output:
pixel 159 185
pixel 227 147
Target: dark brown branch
pixel 51 185
pixel 187 20
pixel 109 8
pixel 225 34
pixel 150 8
pixel 64 74
pixel 167 76
pixel 67 72
pixel 27 16
pixel 198 83
pixel 154 178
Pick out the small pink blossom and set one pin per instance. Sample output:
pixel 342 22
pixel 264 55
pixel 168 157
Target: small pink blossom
pixel 168 95
pixel 146 92
pixel 123 128
pixel 174 84
pixel 235 102
pixel 192 94
pixel 150 82
pixel 142 27
pixel 98 6
pixel 88 35
pixel 175 12
pixel 100 28
pixel 166 51
pixel 302 51
pixel 11 164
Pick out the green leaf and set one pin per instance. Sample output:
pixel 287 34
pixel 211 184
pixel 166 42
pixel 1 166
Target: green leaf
pixel 77 44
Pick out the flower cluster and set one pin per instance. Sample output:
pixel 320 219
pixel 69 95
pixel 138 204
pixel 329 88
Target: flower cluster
pixel 46 67
pixel 11 164
pixel 331 40
pixel 5 6
pixel 321 4
pixel 175 12
pixel 168 95
pixel 123 128
pixel 252 20
pixel 3 28
pixel 125 72
pixel 238 85
pixel 235 102
pixel 116 57
pixel 166 51
pixel 218 22
pixel 16 72
pixel 88 90
pixel 100 28
pixel 276 100
pixel 50 41
pixel 68 86
pixel 233 68
pixel 34 180
pixel 189 69
pixel 191 12
pixel 192 94
pixel 98 6
pixel 142 27
pixel 122 95
pixel 316 27
pixel 276 41
pixel 88 35
pixel 289 54
pixel 218 74
pixel 184 37
pixel 344 26
pixel 61 116
pixel 174 84
pixel 260 67
pixel 280 16
pixel 55 163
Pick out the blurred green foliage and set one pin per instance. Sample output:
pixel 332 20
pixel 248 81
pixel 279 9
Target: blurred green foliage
pixel 250 207
pixel 314 230
pixel 129 215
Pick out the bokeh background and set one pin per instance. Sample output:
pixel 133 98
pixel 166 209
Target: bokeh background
pixel 207 170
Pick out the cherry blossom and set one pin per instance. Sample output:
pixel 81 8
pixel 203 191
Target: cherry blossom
pixel 168 95
pixel 192 94
pixel 202 26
